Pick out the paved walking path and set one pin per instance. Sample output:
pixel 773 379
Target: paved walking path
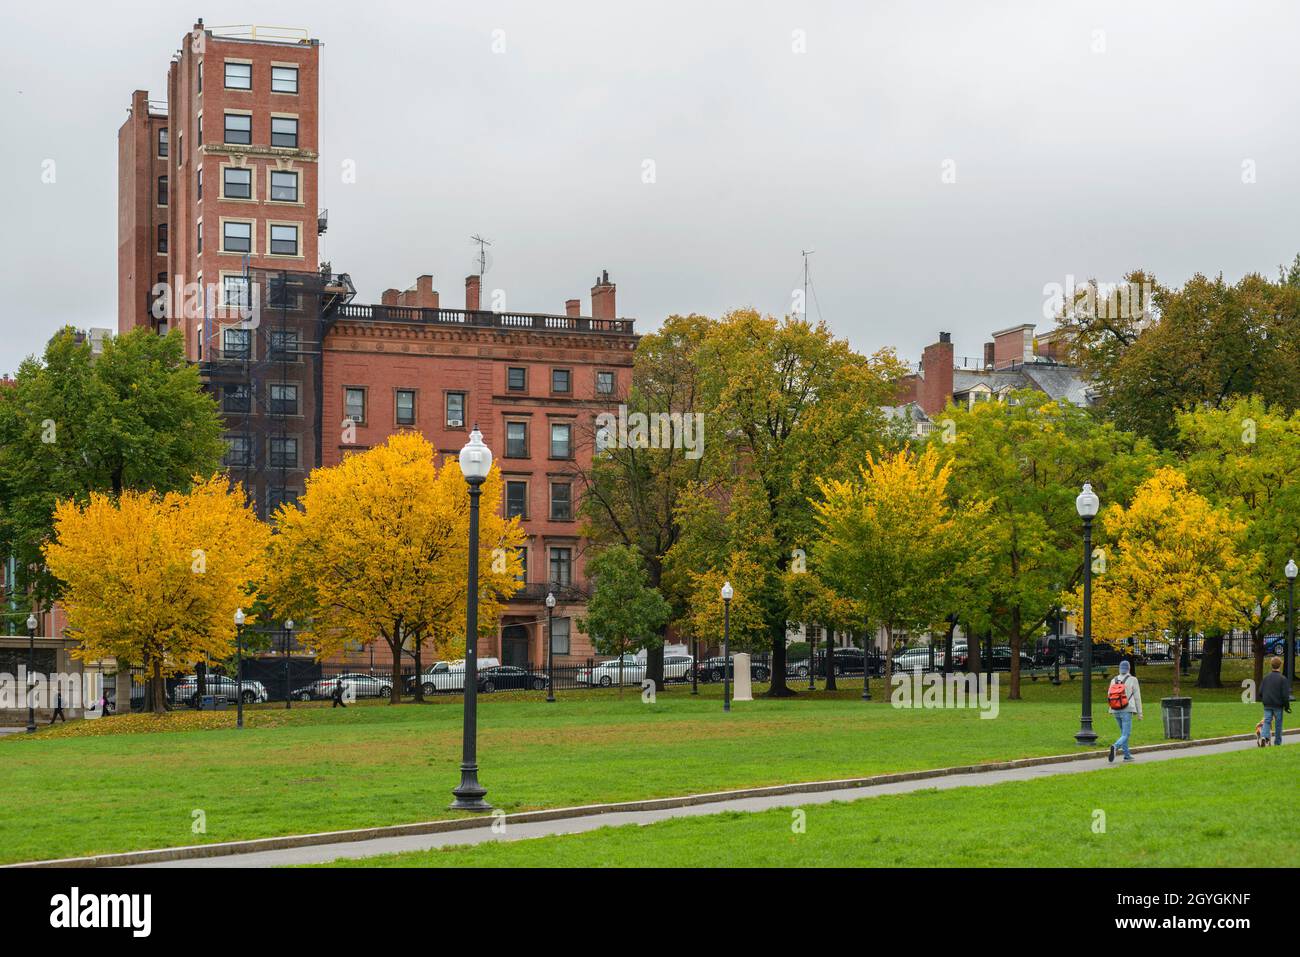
pixel 515 831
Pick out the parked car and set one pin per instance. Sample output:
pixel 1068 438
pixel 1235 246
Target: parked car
pixel 187 688
pixel 1001 659
pixel 447 675
pixel 912 659
pixel 846 661
pixel 1276 645
pixel 510 677
pixel 678 667
pixel 355 685
pixel 609 673
pixel 714 669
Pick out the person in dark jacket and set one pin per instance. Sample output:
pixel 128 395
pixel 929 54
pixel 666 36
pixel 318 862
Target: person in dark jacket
pixel 58 709
pixel 1275 696
pixel 337 695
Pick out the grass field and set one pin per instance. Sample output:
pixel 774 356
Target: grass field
pixel 1191 812
pixel 77 790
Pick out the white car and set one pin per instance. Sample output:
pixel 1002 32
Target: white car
pixel 678 667
pixel 607 672
pixel 448 675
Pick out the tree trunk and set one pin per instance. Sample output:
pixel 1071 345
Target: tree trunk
pixel 395 643
pixel 419 671
pixel 1014 639
pixel 972 652
pixel 830 661
pixel 1210 674
pixel 157 690
pixel 778 688
pixel 654 666
pixel 889 657
pixel 1257 647
pixel 1178 657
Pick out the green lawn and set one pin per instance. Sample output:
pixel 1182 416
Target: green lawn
pixel 315 769
pixel 1190 812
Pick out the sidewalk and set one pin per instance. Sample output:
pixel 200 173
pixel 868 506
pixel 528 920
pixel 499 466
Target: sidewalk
pixel 508 830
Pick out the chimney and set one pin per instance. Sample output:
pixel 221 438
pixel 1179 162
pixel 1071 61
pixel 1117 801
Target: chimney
pixel 390 297
pixel 989 348
pixel 426 297
pixel 472 289
pixel 602 297
pixel 1013 347
pixel 936 375
pixel 573 308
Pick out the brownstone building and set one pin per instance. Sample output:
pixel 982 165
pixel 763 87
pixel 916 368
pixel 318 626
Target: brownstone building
pixel 220 189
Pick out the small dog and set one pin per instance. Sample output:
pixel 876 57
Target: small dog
pixel 1260 740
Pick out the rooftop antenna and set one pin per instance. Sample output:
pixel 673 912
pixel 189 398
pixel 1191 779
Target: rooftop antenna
pixel 805 253
pixel 482 253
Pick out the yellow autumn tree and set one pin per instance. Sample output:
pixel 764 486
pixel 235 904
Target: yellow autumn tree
pixel 155 580
pixel 890 543
pixel 379 549
pixel 1174 567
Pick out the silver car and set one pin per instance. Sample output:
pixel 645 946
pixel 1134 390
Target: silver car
pixel 220 685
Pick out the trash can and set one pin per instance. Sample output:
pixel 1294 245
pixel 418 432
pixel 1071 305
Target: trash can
pixel 1177 714
pixel 212 702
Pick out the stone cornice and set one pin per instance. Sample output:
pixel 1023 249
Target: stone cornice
pixel 416 340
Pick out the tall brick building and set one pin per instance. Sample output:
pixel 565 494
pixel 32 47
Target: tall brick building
pixel 220 189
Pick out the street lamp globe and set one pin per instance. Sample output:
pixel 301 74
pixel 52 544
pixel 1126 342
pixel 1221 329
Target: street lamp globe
pixel 288 625
pixel 1087 503
pixel 727 591
pixel 31 622
pixel 239 616
pixel 550 599
pixel 1291 570
pixel 475 458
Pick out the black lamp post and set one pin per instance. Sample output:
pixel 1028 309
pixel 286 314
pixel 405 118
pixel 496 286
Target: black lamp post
pixel 1289 660
pixel 812 658
pixel 866 665
pixel 1056 649
pixel 1087 505
pixel 288 687
pixel 239 667
pixel 31 665
pixel 695 665
pixel 550 646
pixel 475 463
pixel 727 592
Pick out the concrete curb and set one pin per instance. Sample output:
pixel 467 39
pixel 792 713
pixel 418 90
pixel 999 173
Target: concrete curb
pixel 194 851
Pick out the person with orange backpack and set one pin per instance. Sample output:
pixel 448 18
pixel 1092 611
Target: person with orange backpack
pixel 1124 695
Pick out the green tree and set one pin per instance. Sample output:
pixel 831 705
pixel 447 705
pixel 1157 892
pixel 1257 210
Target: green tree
pixel 1242 457
pixel 1028 458
pixel 789 404
pixel 625 612
pixel 72 423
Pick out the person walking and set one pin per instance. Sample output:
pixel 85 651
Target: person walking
pixel 1275 696
pixel 1125 699
pixel 337 695
pixel 58 708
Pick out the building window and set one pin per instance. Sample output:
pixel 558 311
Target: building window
pixel 517 440
pixel 239 128
pixel 198 130
pixel 354 404
pixel 234 292
pixel 561 440
pixel 284 131
pixel 284 398
pixel 284 451
pixel 162 142
pixel 180 148
pixel 199 73
pixel 522 551
pixel 235 398
pixel 560 380
pixel 561 501
pixel 237 343
pixel 162 237
pixel 236 237
pixel 236 182
pixel 284 345
pixel 517 500
pixel 561 567
pixel 278 296
pixel 275 497
pixel 162 190
pixel 239 76
pixel 405 405
pixel 284 240
pixel 559 636
pixel 284 79
pixel 605 383
pixel 516 378
pixel 284 186
pixel 198 184
pixel 455 410
pixel 239 452
pixel 198 235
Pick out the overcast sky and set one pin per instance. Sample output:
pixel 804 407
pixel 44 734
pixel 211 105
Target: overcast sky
pixel 1085 139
